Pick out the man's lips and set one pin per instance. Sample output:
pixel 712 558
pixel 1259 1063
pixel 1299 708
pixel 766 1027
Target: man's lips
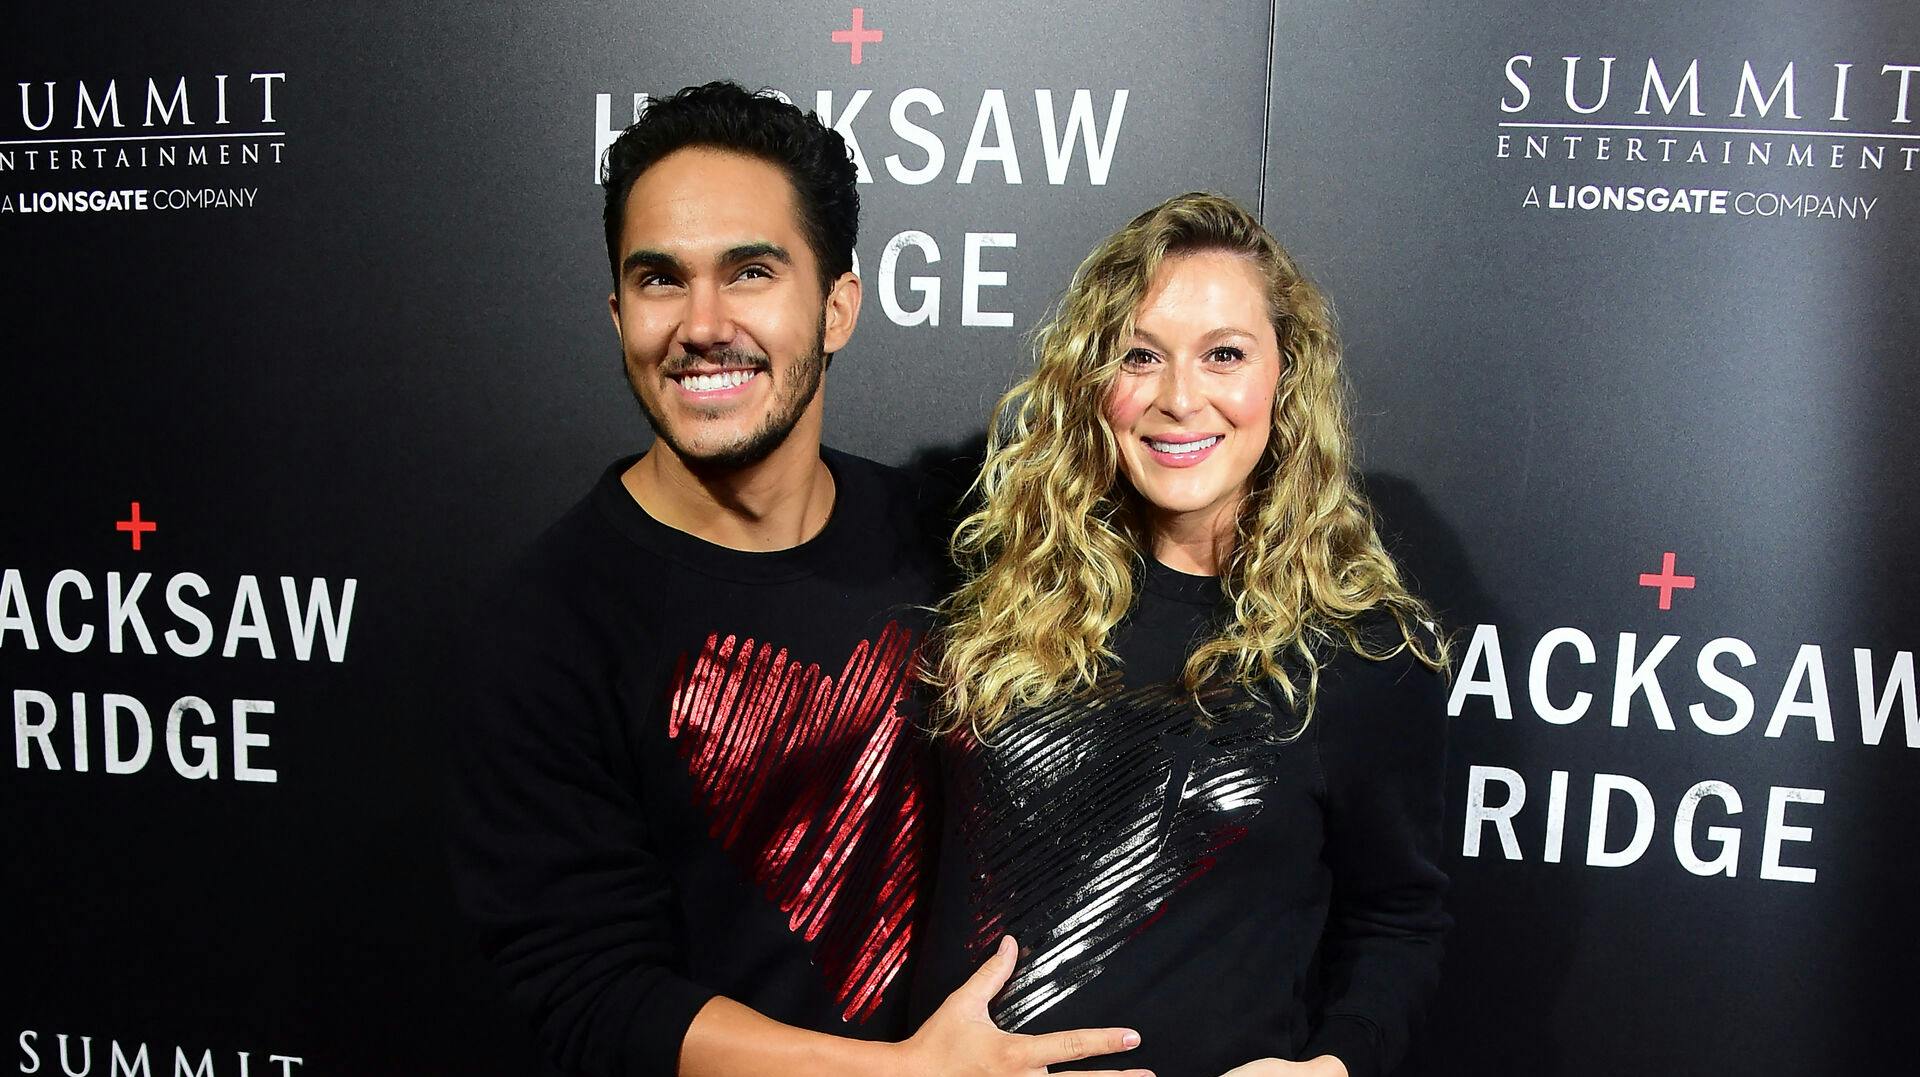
pixel 714 382
pixel 715 375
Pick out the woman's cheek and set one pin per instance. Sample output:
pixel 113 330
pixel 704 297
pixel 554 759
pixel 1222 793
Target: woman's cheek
pixel 1125 403
pixel 1249 402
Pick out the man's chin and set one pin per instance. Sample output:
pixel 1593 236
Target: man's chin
pixel 723 452
pixel 716 443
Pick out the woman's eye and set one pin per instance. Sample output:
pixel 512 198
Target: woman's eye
pixel 1138 357
pixel 1228 355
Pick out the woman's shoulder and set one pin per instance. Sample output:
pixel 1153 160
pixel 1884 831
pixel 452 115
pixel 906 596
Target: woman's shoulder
pixel 1379 662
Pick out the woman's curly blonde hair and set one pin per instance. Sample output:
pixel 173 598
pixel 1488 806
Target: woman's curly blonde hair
pixel 1052 554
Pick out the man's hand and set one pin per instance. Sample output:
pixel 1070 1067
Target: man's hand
pixel 961 1040
pixel 1324 1066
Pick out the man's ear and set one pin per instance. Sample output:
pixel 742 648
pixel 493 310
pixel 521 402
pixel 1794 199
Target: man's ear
pixel 613 308
pixel 843 310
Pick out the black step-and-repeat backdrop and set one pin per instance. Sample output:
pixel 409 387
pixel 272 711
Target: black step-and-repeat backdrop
pixel 304 334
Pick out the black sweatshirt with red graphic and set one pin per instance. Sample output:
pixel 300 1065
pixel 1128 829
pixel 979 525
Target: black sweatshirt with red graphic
pixel 1231 892
pixel 689 771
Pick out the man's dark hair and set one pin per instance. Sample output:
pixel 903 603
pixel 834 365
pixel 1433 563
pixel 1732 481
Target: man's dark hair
pixel 726 116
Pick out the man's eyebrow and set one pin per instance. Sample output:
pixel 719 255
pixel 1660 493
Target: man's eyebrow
pixel 667 263
pixel 646 259
pixel 747 252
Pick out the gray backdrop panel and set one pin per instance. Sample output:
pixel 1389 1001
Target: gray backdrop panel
pixel 393 365
pixel 1552 399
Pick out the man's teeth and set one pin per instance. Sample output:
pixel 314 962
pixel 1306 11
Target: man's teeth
pixel 1179 447
pixel 706 383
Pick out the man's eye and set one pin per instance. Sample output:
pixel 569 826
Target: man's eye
pixel 654 280
pixel 755 272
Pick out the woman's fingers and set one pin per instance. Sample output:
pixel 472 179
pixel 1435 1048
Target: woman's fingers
pixel 1056 1047
pixel 977 993
pixel 970 1001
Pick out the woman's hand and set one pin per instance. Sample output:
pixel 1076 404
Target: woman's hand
pixel 961 1040
pixel 1324 1066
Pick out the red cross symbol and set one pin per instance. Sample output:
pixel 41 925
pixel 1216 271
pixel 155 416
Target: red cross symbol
pixel 858 35
pixel 135 526
pixel 1666 581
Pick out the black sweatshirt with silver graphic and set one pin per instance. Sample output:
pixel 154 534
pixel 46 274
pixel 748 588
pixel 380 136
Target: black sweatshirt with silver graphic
pixel 1231 892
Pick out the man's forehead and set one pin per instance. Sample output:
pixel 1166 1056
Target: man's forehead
pixel 702 200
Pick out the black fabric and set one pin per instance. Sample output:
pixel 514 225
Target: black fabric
pixel 1229 890
pixel 689 770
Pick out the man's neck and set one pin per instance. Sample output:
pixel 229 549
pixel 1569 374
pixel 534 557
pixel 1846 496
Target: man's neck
pixel 776 504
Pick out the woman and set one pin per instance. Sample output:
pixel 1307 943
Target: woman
pixel 1191 718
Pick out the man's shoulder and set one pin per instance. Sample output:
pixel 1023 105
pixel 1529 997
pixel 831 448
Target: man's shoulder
pixel 869 476
pixel 908 508
pixel 569 560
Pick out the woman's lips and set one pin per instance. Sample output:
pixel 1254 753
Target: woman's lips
pixel 1183 451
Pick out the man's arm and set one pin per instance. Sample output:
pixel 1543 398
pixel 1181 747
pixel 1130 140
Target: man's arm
pixel 550 858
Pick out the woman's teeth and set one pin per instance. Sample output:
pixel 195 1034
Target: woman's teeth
pixel 1179 447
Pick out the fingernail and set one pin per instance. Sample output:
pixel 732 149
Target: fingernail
pixel 1131 1039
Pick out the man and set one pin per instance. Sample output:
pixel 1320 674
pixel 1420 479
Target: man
pixel 691 812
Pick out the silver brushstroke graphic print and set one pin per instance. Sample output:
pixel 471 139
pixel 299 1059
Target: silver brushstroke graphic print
pixel 1084 820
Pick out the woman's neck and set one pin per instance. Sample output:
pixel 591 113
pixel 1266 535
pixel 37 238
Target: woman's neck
pixel 1194 543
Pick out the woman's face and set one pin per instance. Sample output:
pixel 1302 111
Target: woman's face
pixel 1192 406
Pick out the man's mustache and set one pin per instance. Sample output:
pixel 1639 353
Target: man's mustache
pixel 735 358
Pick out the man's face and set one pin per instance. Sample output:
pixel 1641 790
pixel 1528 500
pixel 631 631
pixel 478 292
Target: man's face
pixel 721 319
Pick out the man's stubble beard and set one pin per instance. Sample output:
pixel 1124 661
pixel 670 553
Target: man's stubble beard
pixel 798 391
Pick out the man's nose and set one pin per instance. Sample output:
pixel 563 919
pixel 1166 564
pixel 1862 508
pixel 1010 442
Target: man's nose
pixel 707 322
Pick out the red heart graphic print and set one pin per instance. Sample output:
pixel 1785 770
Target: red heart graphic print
pixel 808 782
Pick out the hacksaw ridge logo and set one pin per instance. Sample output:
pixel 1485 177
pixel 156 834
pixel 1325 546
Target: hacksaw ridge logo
pixel 131 613
pixel 90 146
pixel 1725 689
pixel 1064 137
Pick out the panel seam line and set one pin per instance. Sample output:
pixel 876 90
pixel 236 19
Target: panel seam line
pixel 1266 113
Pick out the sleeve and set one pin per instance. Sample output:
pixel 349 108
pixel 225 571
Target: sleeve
pixel 550 856
pixel 1381 745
